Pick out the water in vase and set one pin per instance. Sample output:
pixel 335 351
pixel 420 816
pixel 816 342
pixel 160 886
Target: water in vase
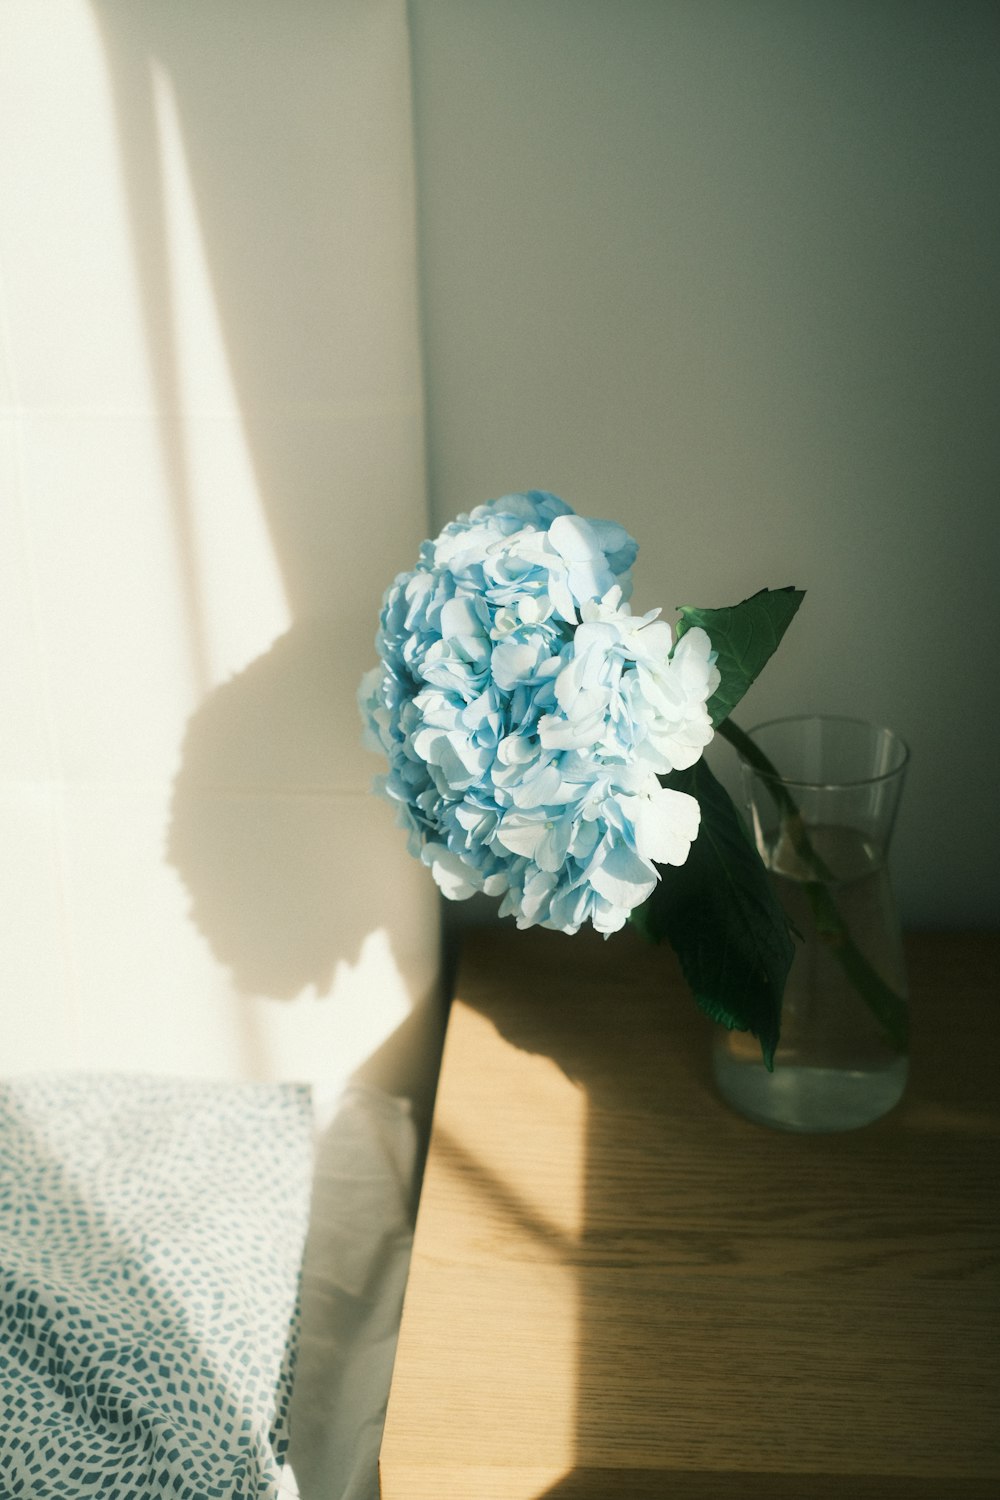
pixel 835 1068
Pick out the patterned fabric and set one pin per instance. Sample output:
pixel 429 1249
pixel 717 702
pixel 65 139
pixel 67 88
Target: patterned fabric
pixel 151 1235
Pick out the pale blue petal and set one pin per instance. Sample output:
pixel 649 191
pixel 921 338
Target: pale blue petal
pixel 623 878
pixel 520 743
pixel 521 832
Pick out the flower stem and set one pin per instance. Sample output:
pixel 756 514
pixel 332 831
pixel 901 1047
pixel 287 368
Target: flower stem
pixel 889 1009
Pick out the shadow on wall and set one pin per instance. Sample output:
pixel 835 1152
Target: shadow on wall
pixel 300 193
pixel 301 186
pixel 255 835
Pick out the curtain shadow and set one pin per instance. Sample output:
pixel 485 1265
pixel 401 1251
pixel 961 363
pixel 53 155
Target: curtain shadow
pixel 291 170
pixel 297 181
pixel 294 173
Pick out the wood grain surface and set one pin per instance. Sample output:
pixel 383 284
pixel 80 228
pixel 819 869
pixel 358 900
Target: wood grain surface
pixel 620 1287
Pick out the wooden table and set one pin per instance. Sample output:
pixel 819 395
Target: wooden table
pixel 621 1288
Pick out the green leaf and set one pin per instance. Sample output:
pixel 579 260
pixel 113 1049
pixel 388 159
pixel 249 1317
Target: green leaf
pixel 720 914
pixel 745 636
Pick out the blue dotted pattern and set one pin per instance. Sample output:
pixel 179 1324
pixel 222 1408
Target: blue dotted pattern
pixel 151 1235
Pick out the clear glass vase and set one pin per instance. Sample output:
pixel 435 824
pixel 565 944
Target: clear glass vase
pixel 822 794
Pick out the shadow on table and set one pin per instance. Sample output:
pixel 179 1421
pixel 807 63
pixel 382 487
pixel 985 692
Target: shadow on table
pixel 644 1484
pixel 682 1196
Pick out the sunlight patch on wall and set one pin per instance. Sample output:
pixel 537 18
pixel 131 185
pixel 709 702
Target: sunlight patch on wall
pixel 241 602
pixel 325 1038
pixel 374 981
pixel 74 298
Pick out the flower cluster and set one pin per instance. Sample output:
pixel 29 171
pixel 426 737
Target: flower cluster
pixel 526 714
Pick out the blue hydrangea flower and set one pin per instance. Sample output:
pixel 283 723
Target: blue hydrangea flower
pixel 526 713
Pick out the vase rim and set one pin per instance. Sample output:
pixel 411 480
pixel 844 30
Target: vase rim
pixel 902 752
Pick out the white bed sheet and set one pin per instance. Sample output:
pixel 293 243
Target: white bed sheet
pixel 356 1260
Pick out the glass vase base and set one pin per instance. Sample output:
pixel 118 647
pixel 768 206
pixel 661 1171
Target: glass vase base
pixel 810 1099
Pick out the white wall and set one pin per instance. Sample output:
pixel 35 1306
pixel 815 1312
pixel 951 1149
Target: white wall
pixel 211 465
pixel 727 271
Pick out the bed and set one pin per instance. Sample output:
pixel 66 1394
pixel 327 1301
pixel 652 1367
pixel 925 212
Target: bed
pixel 202 1284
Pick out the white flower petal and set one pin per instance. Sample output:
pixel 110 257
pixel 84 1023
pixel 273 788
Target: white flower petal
pixel 574 538
pixel 454 877
pixel 562 598
pixel 655 641
pixel 666 824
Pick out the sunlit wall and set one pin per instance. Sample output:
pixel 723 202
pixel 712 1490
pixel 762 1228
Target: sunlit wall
pixel 211 464
pixel 728 271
